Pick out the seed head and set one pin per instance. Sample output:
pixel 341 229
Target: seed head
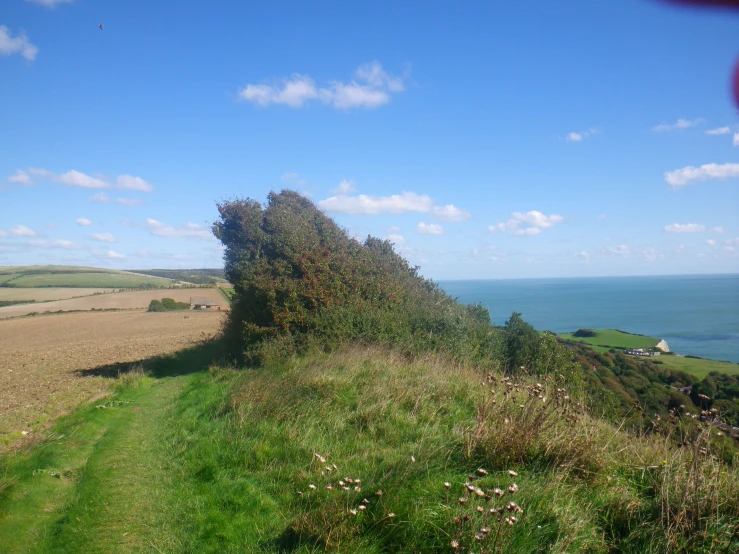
pixel 498 492
pixel 463 501
pixel 479 536
pixel 362 507
pixel 357 489
pixel 378 493
pixel 391 515
pixel 448 485
pixel 312 487
pixel 480 509
pixel 512 473
pixel 353 512
pixel 513 488
pixel 413 460
pixel 482 472
pixel 455 545
pixel 321 458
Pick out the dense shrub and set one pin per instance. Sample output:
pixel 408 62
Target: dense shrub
pixel 300 279
pixel 167 305
pixel 584 333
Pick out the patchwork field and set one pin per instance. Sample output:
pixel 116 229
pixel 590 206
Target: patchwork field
pixel 129 300
pixel 48 293
pixel 120 280
pixel 43 358
pixel 70 276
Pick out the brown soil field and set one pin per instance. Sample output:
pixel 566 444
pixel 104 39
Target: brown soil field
pixel 130 300
pixel 46 294
pixel 41 356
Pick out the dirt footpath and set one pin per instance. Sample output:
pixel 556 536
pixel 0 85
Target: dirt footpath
pixel 40 356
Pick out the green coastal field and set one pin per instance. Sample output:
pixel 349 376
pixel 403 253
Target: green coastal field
pixel 607 339
pixel 612 338
pixel 85 277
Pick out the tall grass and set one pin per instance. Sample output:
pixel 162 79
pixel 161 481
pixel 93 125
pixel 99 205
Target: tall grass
pixel 366 450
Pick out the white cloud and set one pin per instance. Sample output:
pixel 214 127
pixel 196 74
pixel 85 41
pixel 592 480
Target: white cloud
pixel 578 136
pixel 20 177
pixel 53 244
pixel 114 255
pixel 711 242
pixel 129 201
pixel 346 186
pixel 685 228
pixel 527 224
pixel 100 197
pixel 735 140
pixel 620 250
pixel 372 205
pixel 83 221
pixel 602 217
pixel 683 176
pixel 393 229
pixel 2 233
pixel 370 88
pixel 678 125
pixel 16 45
pixel 681 248
pixel 50 3
pixel 292 179
pixel 189 230
pixel 129 182
pixel 450 213
pixel 397 239
pixel 103 237
pixel 74 178
pixel 430 229
pixel 719 131
pixel 22 231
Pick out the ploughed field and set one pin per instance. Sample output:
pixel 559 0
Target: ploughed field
pixel 129 300
pixel 51 363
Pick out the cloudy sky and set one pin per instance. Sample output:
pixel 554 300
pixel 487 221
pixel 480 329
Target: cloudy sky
pixel 486 139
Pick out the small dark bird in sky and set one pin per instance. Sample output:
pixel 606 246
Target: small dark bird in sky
pixel 101 26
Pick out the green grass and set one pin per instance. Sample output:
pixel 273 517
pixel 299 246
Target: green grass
pixel 226 293
pixel 610 338
pixel 91 280
pixel 196 460
pixel 4 277
pixel 700 367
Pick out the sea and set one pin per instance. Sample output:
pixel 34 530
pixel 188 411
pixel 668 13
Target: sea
pixel 697 315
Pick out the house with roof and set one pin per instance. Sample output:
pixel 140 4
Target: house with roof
pixel 203 303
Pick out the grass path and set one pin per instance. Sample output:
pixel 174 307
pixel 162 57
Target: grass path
pixel 116 505
pixel 99 482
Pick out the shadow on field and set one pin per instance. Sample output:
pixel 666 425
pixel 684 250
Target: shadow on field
pixel 184 362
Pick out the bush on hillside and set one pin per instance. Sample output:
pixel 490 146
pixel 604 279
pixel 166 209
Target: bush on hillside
pixel 299 278
pixel 167 305
pixel 584 333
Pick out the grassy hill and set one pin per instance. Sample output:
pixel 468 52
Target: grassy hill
pixel 361 451
pixel 612 338
pixel 73 276
pixel 607 339
pixel 195 276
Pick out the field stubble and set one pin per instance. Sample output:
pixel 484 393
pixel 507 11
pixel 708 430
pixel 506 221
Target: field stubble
pixel 40 369
pixel 129 300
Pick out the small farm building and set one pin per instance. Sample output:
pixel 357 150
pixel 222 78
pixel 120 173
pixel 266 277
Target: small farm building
pixel 203 303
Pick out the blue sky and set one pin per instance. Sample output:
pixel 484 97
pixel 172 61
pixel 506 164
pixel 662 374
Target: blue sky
pixel 486 139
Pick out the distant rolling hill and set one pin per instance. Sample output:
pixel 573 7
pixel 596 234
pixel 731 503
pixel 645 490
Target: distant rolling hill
pixel 195 276
pixel 76 276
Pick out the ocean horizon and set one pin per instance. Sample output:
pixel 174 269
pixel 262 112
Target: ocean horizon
pixel 697 315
